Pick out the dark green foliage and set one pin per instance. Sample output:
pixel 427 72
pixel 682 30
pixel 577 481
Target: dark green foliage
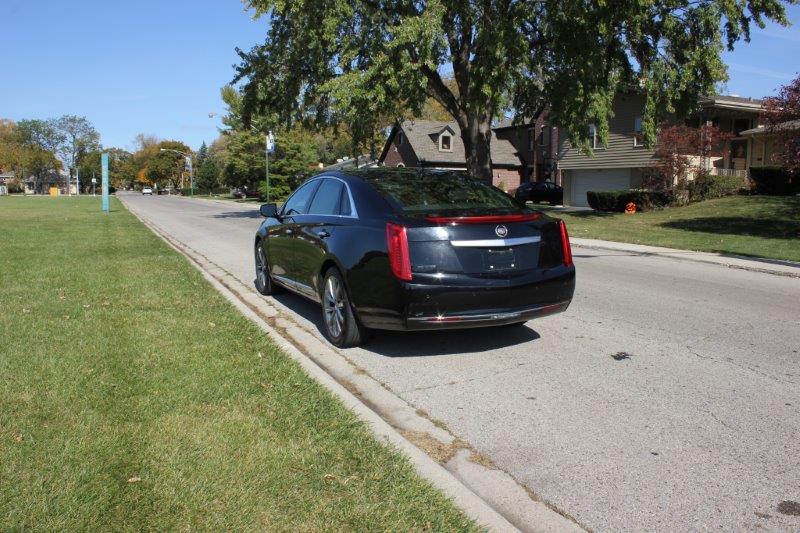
pixel 362 62
pixel 706 186
pixel 775 181
pixel 209 173
pixel 615 201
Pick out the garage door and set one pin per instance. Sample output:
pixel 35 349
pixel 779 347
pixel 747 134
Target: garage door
pixel 584 181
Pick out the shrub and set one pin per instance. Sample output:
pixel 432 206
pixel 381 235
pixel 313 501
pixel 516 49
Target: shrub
pixel 186 191
pixel 706 186
pixel 775 181
pixel 616 201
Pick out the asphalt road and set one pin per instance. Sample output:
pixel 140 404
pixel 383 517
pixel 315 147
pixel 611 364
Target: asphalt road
pixel 666 398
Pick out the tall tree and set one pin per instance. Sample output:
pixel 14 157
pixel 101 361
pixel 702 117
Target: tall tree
pixel 78 138
pixel 120 172
pixel 37 144
pixel 359 61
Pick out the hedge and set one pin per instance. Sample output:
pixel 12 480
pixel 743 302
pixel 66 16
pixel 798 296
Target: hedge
pixel 186 191
pixel 617 200
pixel 775 181
pixel 705 187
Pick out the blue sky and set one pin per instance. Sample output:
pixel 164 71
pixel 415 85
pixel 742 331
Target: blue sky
pixel 156 66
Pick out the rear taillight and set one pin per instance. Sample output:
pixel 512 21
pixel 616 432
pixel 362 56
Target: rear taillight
pixel 397 247
pixel 566 249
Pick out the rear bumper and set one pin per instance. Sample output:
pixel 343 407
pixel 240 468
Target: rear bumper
pixel 480 319
pixel 472 303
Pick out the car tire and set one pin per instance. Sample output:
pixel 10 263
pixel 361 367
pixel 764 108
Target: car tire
pixel 342 328
pixel 264 284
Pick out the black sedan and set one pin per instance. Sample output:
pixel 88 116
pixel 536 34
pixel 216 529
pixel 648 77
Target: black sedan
pixel 540 191
pixel 413 250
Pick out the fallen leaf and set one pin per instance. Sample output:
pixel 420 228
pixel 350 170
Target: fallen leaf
pixel 260 355
pixel 26 311
pixel 211 324
pixel 86 306
pixel 18 437
pixel 134 479
pixel 106 302
pixel 329 477
pixel 62 297
pixel 66 317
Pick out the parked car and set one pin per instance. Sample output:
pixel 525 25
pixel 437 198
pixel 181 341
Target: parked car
pixel 147 190
pixel 402 250
pixel 540 191
pixel 244 192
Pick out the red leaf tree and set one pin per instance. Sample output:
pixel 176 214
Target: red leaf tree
pixel 682 153
pixel 781 116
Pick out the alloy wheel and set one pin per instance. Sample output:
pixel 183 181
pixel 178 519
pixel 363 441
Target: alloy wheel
pixel 333 306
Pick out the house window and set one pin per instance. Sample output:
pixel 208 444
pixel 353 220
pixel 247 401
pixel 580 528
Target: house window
pixel 544 139
pixel 531 138
pixel 638 136
pixel 445 143
pixel 593 138
pixel 400 139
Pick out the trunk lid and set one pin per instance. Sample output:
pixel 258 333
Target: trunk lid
pixel 486 245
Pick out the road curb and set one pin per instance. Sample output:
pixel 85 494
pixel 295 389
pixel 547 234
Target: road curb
pixel 775 267
pixel 489 496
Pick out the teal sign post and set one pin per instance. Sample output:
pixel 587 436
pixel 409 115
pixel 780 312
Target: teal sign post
pixel 104 163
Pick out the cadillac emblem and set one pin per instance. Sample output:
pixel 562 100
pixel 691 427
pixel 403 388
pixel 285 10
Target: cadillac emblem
pixel 501 231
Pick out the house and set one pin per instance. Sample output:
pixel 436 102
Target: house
pixel 536 145
pixel 434 144
pixel 762 144
pixel 624 162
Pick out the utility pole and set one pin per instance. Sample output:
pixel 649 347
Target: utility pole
pixel 78 181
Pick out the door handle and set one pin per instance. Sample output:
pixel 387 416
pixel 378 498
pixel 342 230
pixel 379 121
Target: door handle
pixel 323 233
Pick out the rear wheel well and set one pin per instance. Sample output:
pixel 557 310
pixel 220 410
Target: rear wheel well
pixel 328 263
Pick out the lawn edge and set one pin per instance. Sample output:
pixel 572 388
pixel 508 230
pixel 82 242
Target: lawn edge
pixel 437 474
pixel 764 265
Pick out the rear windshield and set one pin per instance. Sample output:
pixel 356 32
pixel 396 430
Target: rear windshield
pixel 445 193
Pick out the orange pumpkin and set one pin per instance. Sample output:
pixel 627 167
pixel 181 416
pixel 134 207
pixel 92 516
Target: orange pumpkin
pixel 630 208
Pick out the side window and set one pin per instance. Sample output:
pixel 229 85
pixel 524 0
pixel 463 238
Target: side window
pixel 345 209
pixel 297 204
pixel 326 201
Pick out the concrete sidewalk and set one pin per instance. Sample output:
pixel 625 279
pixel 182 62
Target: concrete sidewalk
pixel 768 266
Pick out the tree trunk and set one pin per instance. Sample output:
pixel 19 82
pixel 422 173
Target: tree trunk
pixel 477 136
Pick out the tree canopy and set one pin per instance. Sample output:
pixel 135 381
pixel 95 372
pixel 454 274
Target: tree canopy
pixel 359 62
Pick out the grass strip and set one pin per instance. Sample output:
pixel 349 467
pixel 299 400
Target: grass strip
pixel 133 396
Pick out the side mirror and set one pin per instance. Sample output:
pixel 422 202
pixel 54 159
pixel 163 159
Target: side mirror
pixel 269 210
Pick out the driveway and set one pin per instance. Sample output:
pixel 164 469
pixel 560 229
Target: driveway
pixel 666 398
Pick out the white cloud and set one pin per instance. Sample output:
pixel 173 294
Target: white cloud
pixel 758 71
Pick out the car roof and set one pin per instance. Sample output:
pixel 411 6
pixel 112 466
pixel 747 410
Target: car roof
pixel 387 173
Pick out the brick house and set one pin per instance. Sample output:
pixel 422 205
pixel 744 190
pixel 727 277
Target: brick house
pixel 517 151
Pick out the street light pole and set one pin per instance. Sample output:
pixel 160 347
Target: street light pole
pixel 270 148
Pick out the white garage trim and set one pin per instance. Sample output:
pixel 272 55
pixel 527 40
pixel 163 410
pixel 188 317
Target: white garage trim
pixel 583 181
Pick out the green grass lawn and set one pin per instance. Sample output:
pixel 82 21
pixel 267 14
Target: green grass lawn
pixel 762 226
pixel 133 396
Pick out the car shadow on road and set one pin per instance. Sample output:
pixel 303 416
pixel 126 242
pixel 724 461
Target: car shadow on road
pixel 421 343
pixel 239 214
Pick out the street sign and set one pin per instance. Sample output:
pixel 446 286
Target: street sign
pixel 104 163
pixel 94 180
pixel 270 143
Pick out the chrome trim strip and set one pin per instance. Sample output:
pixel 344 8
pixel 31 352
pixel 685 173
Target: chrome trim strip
pixel 295 286
pixel 496 243
pixel 502 315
